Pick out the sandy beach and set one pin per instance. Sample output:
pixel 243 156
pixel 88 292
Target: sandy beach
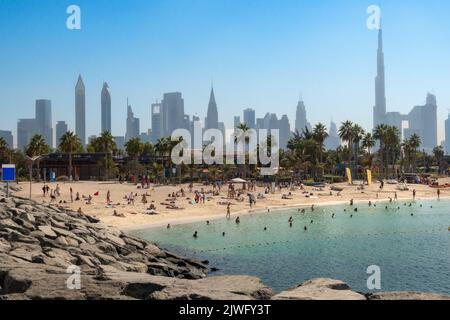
pixel 135 216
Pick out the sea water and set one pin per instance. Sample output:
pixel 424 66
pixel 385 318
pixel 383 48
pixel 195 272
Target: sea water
pixel 409 241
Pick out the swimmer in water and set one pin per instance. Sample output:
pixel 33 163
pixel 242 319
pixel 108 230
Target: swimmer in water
pixel 290 219
pixel 265 228
pixel 351 216
pixel 332 216
pixel 223 234
pixel 168 226
pixel 207 222
pixel 238 220
pixel 312 208
pixel 312 221
pixel 305 228
pixel 370 203
pixel 290 224
pixel 195 234
pixel 351 202
pixel 356 210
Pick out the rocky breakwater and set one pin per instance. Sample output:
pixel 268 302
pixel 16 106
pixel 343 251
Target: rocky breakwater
pixel 47 252
pixel 38 243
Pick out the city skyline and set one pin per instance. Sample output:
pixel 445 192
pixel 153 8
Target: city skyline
pixel 404 91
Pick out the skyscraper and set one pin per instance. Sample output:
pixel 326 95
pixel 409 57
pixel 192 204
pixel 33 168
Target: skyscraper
pixel 156 122
pixel 61 129
pixel 172 113
pixel 379 110
pixel 249 118
pixel 44 120
pixel 106 108
pixel 332 141
pixel 447 135
pixel 212 117
pixel 237 121
pixel 80 110
pixel 285 132
pixel 133 130
pixel 8 137
pixel 26 128
pixel 300 117
pixel 423 122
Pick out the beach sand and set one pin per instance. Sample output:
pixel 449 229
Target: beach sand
pixel 135 216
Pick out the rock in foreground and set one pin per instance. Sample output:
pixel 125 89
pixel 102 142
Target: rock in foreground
pixel 320 289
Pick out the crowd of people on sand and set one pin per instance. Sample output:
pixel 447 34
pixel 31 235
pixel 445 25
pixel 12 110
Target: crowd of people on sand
pixel 236 192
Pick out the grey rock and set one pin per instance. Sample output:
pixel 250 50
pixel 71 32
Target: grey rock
pixel 320 289
pixel 407 295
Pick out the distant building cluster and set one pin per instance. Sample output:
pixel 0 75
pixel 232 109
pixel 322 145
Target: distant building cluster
pixel 421 120
pixel 169 114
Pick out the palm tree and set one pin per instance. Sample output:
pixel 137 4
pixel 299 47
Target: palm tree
pixel 415 143
pixel 438 153
pixel 380 134
pixel 106 143
pixel 36 148
pixel 368 142
pixel 243 137
pixel 134 147
pixel 5 151
pixel 320 134
pixel 69 143
pixel 346 133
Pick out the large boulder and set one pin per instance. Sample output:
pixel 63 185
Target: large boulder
pixel 320 289
pixel 144 286
pixel 406 295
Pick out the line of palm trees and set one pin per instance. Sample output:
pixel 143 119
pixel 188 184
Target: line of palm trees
pixel 304 156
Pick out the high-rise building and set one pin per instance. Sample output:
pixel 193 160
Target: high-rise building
pixel 80 110
pixel 44 120
pixel 285 132
pixel 249 118
pixel 61 129
pixel 133 130
pixel 156 122
pixel 301 121
pixel 120 142
pixel 212 117
pixel 332 141
pixel 423 122
pixel 237 121
pixel 447 135
pixel 106 108
pixel 379 110
pixel 172 113
pixel 8 137
pixel 26 128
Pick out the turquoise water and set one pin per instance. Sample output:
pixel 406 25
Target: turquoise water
pixel 413 252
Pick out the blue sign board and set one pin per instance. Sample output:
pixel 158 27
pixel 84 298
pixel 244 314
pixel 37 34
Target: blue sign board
pixel 8 172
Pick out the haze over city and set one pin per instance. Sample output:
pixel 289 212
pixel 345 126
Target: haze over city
pixel 262 55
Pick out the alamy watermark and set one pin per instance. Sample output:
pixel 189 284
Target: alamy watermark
pixel 210 147
pixel 73 22
pixel 374 280
pixel 374 20
pixel 73 282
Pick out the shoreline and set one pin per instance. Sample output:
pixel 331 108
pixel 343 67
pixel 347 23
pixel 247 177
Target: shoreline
pixel 135 216
pixel 259 211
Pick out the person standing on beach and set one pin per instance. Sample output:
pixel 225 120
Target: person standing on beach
pixel 439 194
pixel 414 194
pixel 108 197
pixel 228 211
pixel 71 194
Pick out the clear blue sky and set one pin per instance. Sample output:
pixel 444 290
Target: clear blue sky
pixel 260 54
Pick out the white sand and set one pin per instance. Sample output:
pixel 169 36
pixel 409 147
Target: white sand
pixel 136 217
